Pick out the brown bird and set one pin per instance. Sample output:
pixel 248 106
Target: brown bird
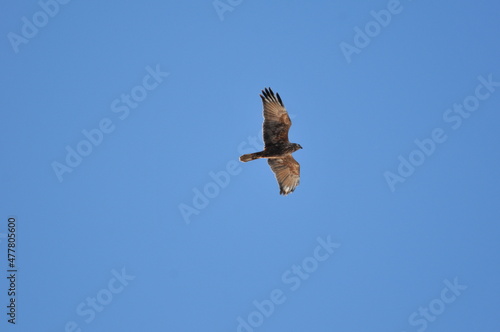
pixel 277 149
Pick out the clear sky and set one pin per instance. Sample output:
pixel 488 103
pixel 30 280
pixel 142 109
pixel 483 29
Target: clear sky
pixel 120 132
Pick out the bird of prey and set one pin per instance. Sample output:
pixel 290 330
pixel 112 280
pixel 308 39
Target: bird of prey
pixel 277 149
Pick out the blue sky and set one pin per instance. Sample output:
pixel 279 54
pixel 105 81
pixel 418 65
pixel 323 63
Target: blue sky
pixel 121 128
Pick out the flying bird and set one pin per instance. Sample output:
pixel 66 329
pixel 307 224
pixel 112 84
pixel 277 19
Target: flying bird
pixel 277 148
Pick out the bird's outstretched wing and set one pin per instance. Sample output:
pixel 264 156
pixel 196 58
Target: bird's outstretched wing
pixel 287 172
pixel 276 119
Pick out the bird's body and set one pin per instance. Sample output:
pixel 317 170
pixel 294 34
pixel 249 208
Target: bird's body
pixel 277 149
pixel 271 152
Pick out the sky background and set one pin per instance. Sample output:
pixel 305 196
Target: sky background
pixel 126 225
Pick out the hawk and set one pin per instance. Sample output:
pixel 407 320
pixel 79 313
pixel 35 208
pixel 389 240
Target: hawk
pixel 277 149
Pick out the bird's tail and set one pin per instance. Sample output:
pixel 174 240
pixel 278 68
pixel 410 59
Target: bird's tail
pixel 251 156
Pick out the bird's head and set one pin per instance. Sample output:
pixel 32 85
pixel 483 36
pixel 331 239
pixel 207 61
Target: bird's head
pixel 296 146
